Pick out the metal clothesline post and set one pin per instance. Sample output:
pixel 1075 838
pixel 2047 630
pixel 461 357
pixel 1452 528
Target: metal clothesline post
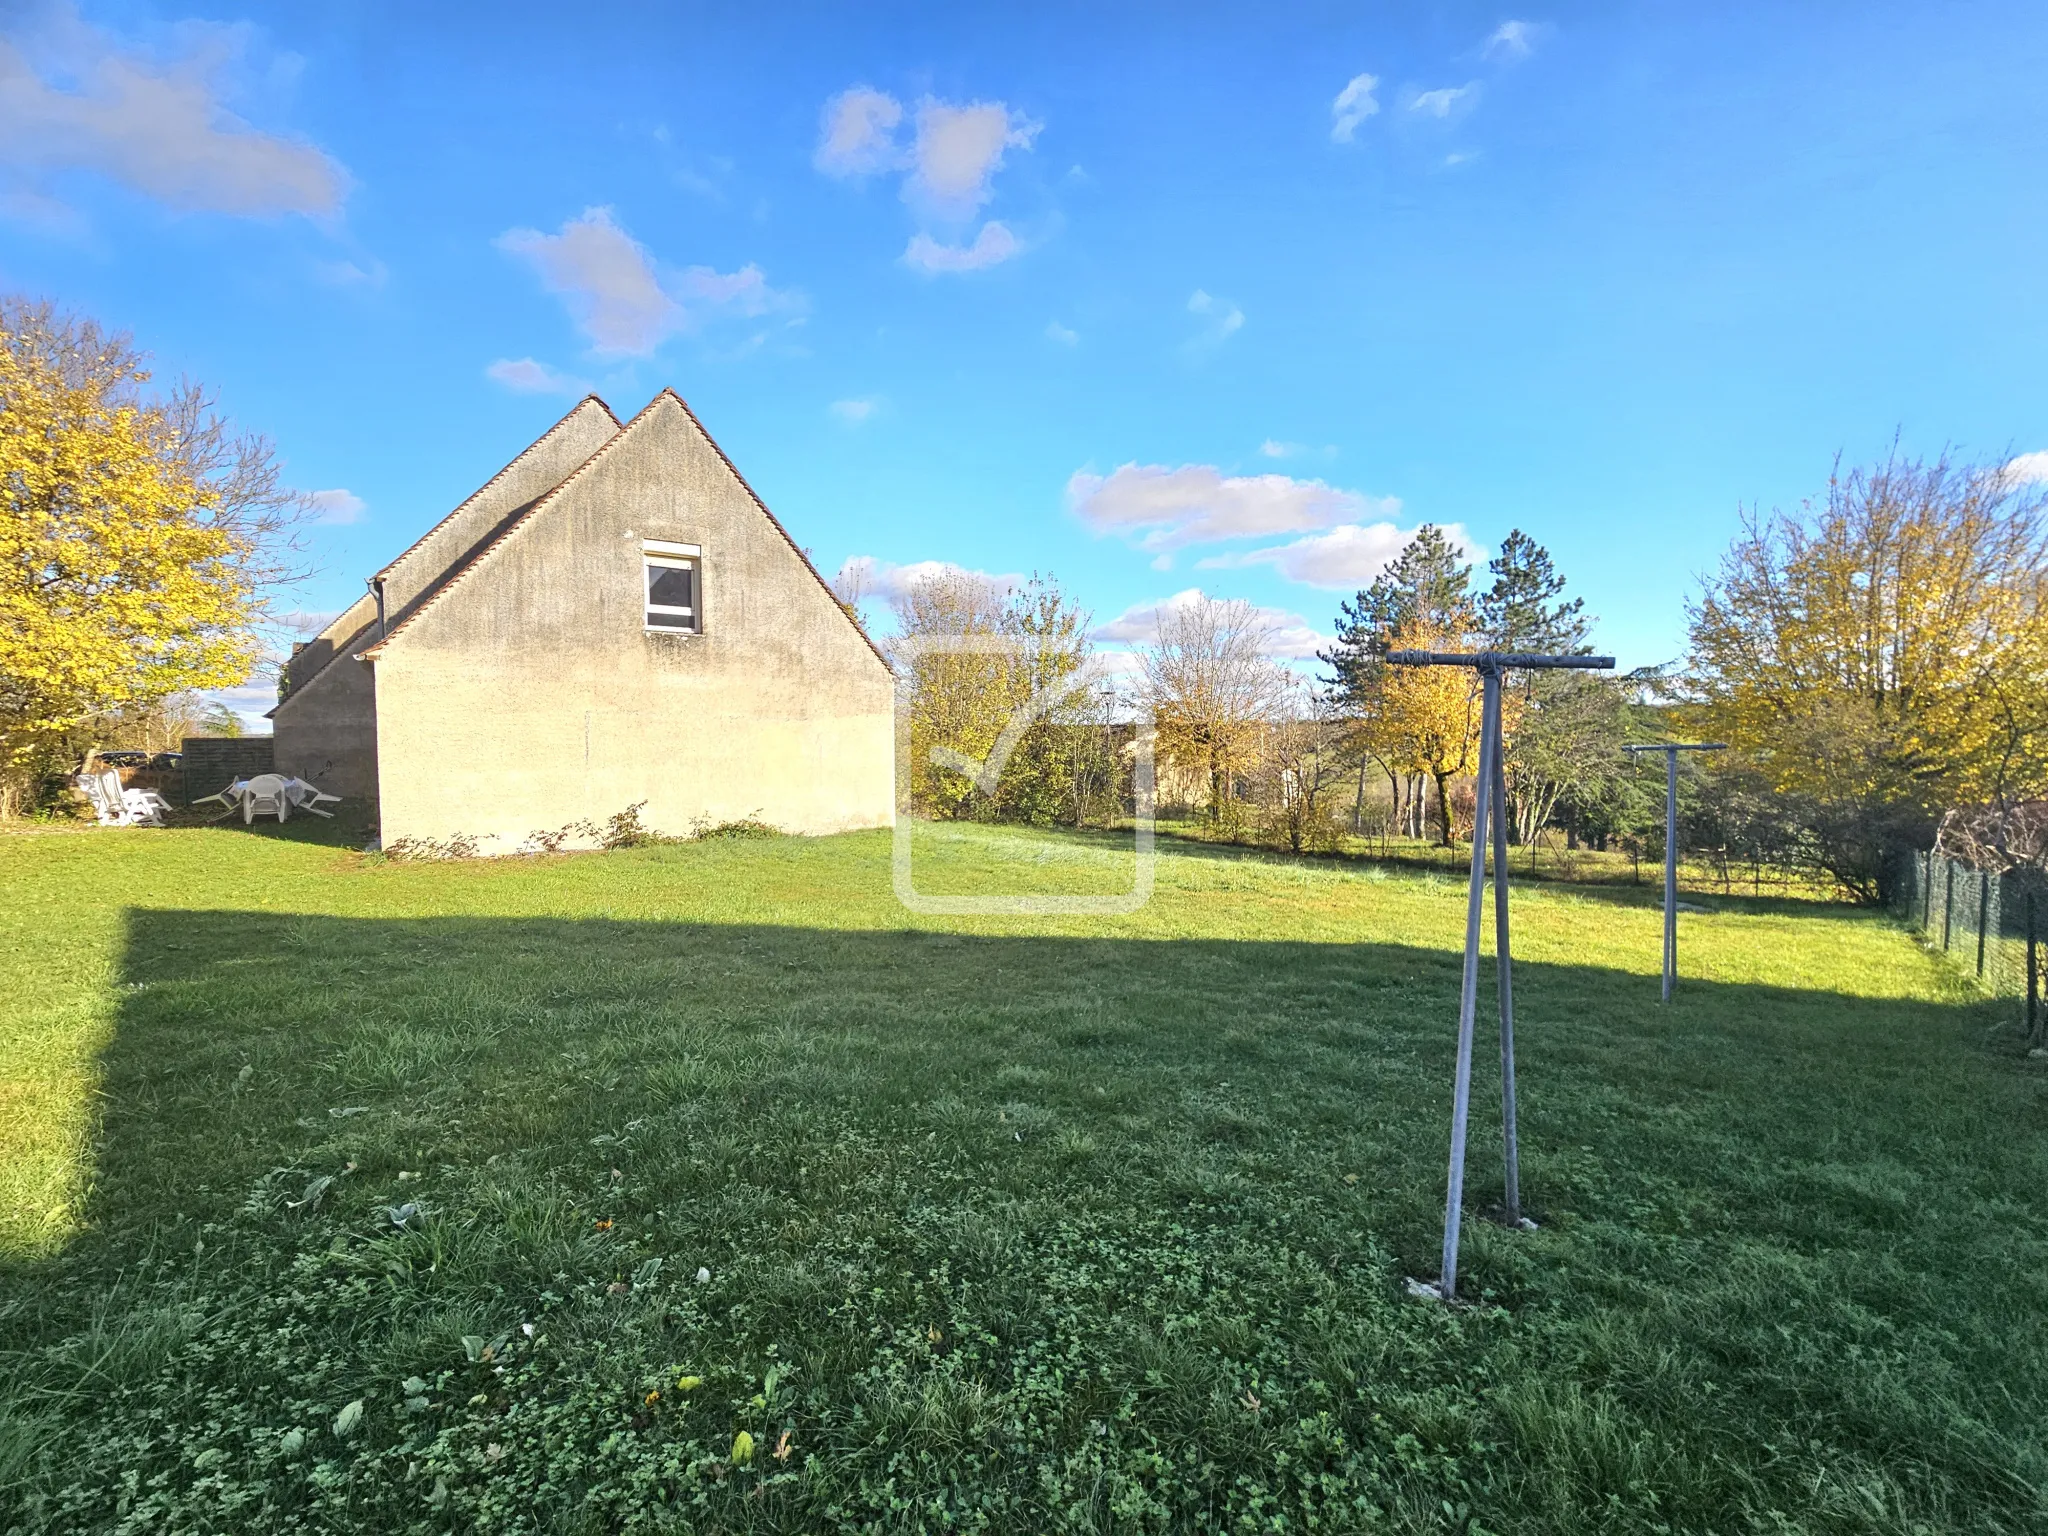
pixel 1468 991
pixel 1671 750
pixel 1504 971
pixel 1488 801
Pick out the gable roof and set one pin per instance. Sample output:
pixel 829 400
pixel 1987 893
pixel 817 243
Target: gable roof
pixel 491 484
pixel 338 631
pixel 533 508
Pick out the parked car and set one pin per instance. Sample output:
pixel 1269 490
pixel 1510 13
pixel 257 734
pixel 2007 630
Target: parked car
pixel 166 760
pixel 122 758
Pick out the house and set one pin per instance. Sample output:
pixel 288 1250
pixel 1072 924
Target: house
pixel 614 619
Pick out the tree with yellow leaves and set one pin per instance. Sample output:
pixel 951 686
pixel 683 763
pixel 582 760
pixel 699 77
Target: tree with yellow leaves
pixel 137 536
pixel 1426 589
pixel 1883 655
pixel 1427 718
pixel 994 678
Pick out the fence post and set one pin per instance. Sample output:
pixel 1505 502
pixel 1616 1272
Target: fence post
pixel 1948 902
pixel 2033 974
pixel 1983 915
pixel 1927 892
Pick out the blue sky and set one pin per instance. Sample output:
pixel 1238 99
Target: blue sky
pixel 1154 299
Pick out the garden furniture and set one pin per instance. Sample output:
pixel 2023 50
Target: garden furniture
pixel 116 806
pixel 270 794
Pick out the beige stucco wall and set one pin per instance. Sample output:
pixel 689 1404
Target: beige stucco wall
pixel 327 724
pixel 528 694
pixel 351 629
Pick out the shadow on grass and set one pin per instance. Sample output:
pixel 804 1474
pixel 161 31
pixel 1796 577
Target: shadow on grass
pixel 236 1026
pixel 348 826
pixel 984 1197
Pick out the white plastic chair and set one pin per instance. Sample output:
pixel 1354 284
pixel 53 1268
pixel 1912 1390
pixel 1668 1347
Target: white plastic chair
pixel 111 811
pixel 115 806
pixel 227 799
pixel 308 797
pixel 265 795
pixel 145 807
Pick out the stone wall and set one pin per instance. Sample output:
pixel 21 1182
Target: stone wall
pixel 326 730
pixel 214 762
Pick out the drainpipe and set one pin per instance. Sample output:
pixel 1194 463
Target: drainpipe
pixel 377 587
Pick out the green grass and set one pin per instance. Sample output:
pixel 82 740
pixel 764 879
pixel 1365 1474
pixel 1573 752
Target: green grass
pixel 1012 1224
pixel 1546 859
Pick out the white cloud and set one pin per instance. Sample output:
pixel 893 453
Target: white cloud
pixel 958 152
pixel 1272 448
pixel 858 136
pixel 1289 637
pixel 1354 104
pixel 25 205
pixel 1066 336
pixel 1117 666
pixel 350 274
pixel 618 297
pixel 994 244
pixel 885 581
pixel 525 376
pixel 1140 622
pixel 251 703
pixel 1224 318
pixel 337 506
pixel 1198 504
pixel 607 278
pixel 2027 469
pixel 72 98
pixel 1445 101
pixel 745 292
pixel 853 412
pixel 1293 638
pixel 1344 559
pixel 950 164
pixel 1513 40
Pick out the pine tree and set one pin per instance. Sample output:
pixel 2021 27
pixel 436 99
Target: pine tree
pixel 1570 730
pixel 1521 611
pixel 1436 582
pixel 1427 585
pixel 1427 588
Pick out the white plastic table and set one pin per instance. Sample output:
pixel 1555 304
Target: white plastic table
pixel 270 794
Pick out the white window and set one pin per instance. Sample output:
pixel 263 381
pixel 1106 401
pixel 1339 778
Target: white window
pixel 675 586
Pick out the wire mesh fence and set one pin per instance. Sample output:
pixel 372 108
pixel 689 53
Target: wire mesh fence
pixel 1991 925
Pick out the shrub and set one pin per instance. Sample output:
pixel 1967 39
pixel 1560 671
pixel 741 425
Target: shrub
pixel 624 829
pixel 744 828
pixel 555 841
pixel 420 849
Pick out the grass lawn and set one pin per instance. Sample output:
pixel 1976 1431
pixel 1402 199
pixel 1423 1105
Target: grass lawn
pixel 1547 859
pixel 1011 1224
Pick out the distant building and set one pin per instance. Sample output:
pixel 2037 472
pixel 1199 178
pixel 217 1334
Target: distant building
pixel 614 618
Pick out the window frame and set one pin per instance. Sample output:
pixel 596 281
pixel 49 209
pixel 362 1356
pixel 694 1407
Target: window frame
pixel 664 554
